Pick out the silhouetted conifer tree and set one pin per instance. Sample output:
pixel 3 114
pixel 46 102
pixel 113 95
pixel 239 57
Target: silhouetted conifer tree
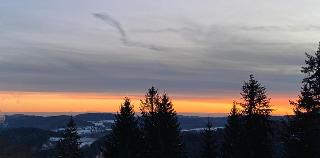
pixel 256 132
pixel 209 146
pixel 161 129
pixel 152 99
pixel 303 138
pixel 148 117
pixel 231 144
pixel 69 145
pixel 169 130
pixel 125 138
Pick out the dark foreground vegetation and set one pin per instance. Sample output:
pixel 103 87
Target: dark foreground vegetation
pixel 250 131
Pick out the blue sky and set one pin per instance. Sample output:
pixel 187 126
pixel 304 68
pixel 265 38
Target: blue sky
pixel 181 46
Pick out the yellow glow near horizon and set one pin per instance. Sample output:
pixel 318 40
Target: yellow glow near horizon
pixel 103 102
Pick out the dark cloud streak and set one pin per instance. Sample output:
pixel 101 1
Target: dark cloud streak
pixel 123 35
pixel 114 23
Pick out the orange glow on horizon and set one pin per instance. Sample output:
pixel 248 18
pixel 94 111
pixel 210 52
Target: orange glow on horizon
pixel 107 102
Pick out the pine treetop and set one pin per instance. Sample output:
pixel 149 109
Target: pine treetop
pixel 70 133
pixel 209 128
pixel 255 100
pixel 232 131
pixel 126 109
pixel 165 105
pixel 161 129
pixel 209 148
pixel 124 140
pixel 151 100
pixel 309 98
pixel 234 110
pixel 69 145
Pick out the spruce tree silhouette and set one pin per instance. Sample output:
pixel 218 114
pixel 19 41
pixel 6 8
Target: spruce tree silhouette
pixel 125 138
pixel 148 117
pixel 69 145
pixel 161 129
pixel 152 99
pixel 231 144
pixel 169 130
pixel 304 128
pixel 209 146
pixel 255 116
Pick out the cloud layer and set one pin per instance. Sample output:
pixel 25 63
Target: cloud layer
pixel 202 48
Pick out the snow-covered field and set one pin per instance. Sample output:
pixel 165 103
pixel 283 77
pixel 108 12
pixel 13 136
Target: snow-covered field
pixel 200 129
pixel 88 134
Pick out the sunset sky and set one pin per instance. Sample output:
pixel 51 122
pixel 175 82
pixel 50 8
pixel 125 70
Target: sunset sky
pixel 87 55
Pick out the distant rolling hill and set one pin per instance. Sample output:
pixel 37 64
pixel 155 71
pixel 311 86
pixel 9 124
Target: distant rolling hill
pixel 50 122
pixel 86 119
pixel 23 142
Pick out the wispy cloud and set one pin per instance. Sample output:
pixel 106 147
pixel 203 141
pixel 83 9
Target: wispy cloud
pixel 114 23
pixel 123 35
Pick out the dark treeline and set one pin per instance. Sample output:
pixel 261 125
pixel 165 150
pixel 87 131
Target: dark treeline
pixel 249 132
